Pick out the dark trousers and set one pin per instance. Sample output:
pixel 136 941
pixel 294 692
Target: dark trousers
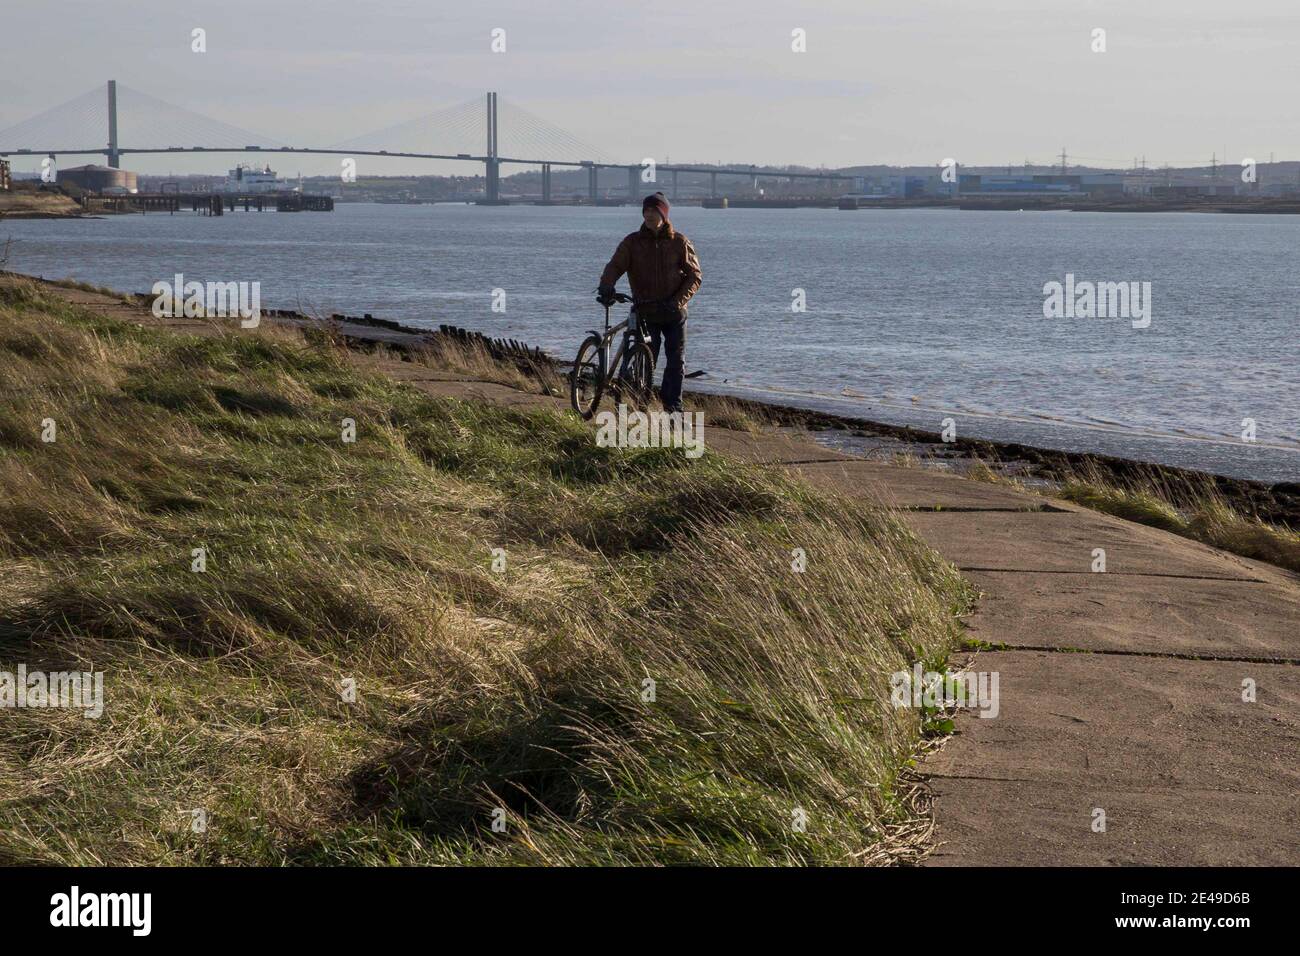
pixel 672 334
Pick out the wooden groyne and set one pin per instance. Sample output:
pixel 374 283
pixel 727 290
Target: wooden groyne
pixel 510 350
pixel 367 331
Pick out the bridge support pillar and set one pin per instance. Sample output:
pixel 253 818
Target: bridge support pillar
pixel 633 183
pixel 674 195
pixel 114 157
pixel 591 183
pixel 492 185
pixel 546 182
pixel 713 185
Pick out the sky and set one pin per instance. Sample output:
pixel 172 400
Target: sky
pixel 987 82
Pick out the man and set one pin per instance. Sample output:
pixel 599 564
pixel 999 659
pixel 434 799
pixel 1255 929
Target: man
pixel 664 272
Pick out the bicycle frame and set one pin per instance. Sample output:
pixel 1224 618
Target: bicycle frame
pixel 625 371
pixel 614 362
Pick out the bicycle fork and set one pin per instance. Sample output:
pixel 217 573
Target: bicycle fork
pixel 633 337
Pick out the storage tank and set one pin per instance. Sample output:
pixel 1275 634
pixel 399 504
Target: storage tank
pixel 99 179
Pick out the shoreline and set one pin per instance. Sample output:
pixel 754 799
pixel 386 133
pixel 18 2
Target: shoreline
pixel 1273 501
pixel 1278 502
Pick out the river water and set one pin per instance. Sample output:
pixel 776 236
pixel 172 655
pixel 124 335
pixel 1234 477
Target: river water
pixel 912 316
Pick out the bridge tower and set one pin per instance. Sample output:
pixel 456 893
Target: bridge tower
pixel 493 163
pixel 633 185
pixel 114 157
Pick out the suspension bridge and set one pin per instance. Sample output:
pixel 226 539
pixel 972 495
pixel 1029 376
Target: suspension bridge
pixel 117 121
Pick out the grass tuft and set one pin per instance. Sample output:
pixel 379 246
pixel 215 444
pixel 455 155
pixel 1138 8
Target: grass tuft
pixel 1198 512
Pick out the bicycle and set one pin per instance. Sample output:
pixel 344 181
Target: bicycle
pixel 627 374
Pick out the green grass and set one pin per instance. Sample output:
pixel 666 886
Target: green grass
pixel 522 692
pixel 1201 514
pixel 1192 507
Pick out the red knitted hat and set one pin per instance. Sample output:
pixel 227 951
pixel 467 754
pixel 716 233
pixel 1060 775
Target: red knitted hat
pixel 659 201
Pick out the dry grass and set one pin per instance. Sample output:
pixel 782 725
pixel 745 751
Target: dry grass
pixel 475 362
pixel 723 412
pixel 980 470
pixel 521 690
pixel 1188 507
pixel 1197 511
pixel 24 201
pixel 97 289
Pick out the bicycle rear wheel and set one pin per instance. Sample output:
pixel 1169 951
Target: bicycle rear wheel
pixel 587 380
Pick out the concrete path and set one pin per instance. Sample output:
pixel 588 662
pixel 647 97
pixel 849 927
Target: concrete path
pixel 1120 692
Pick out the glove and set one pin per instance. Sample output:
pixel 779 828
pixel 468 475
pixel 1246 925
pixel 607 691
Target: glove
pixel 605 295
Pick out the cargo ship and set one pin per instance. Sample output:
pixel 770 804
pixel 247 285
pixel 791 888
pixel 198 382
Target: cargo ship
pixel 247 180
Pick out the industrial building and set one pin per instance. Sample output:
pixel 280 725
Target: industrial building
pixel 1041 184
pixel 1188 191
pixel 977 184
pixel 904 187
pixel 104 180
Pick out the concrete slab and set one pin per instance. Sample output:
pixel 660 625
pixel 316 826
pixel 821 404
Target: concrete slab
pixel 766 449
pixel 992 823
pixel 1065 541
pixel 1135 722
pixel 1138 614
pixel 1185 771
pixel 900 487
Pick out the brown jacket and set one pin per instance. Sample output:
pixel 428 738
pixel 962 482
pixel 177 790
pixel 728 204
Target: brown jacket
pixel 660 266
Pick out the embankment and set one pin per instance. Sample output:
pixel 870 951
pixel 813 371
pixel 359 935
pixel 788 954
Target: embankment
pixel 26 201
pixel 344 619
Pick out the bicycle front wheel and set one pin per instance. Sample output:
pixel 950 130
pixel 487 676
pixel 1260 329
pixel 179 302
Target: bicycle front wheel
pixel 587 380
pixel 639 376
